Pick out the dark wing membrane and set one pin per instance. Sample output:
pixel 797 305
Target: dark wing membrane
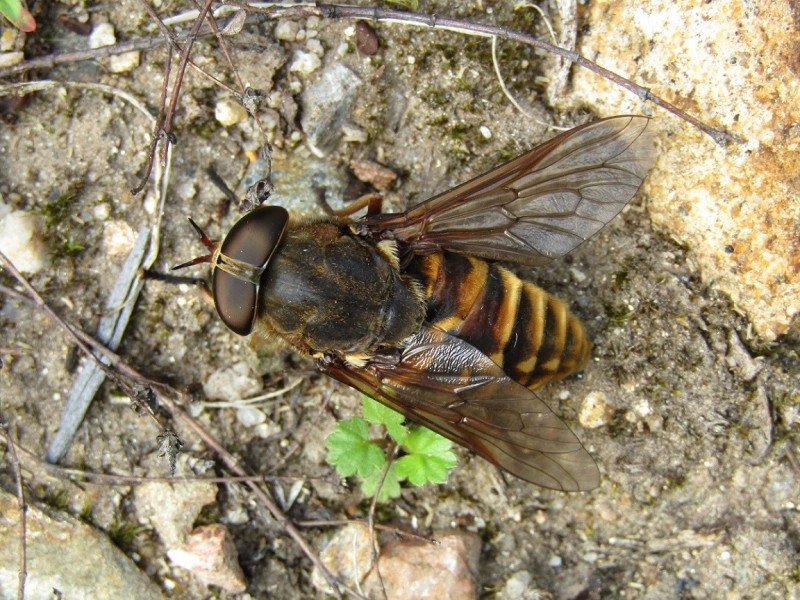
pixel 446 384
pixel 540 205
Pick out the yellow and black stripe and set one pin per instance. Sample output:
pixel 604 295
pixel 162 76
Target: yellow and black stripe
pixel 526 331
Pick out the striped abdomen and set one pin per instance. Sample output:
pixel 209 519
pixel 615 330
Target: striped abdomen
pixel 522 328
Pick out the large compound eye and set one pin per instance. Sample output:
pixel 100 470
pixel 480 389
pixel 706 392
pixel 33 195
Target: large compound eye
pixel 245 251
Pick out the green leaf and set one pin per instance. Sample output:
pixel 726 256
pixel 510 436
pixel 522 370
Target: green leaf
pixel 377 413
pixel 430 457
pixel 15 12
pixel 351 451
pixel 390 487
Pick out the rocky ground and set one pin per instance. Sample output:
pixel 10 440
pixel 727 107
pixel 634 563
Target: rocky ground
pixel 690 296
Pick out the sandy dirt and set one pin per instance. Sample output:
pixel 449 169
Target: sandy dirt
pixel 699 494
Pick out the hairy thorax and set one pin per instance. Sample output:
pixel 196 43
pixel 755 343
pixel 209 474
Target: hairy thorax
pixel 329 291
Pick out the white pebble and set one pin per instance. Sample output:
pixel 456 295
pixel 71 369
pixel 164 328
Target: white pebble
pixel 315 46
pixel 118 238
pixel 237 516
pixel 353 134
pixel 122 63
pixel 595 411
pixel 286 31
pixel 250 416
pixel 21 241
pixel 102 35
pixel 9 59
pixel 485 132
pixel 229 112
pixel 578 275
pixel 102 211
pixel 518 585
pixel 232 384
pixel 642 408
pixel 305 63
pixel 555 561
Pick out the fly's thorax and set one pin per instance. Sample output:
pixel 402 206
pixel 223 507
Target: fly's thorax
pixel 327 290
pixel 529 333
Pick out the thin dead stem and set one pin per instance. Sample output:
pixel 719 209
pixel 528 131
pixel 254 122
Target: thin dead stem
pixel 118 369
pixel 272 10
pixel 391 454
pixel 22 549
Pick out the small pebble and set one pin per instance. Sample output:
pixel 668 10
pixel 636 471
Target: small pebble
pixel 353 134
pixel 305 63
pixel 286 31
pixel 102 35
pixel 237 516
pixel 21 241
pixel 518 585
pixel 371 172
pixel 9 59
pixel 595 411
pixel 118 238
pixel 101 211
pixel 485 132
pixel 578 275
pixel 366 39
pixel 232 383
pixel 250 416
pixel 229 112
pixel 210 555
pixel 122 63
pixel 315 46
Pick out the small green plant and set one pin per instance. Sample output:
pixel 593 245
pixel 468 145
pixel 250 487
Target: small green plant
pixel 123 533
pixel 57 212
pixel 15 11
pixel 427 457
pixel 56 498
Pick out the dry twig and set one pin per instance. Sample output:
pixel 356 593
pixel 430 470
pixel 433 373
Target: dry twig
pixel 273 10
pixel 22 551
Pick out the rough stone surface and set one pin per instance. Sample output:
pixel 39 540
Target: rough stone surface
pixel 418 570
pixel 409 569
pixel 734 65
pixel 210 554
pixel 326 106
pixel 348 555
pixel 172 508
pixel 66 555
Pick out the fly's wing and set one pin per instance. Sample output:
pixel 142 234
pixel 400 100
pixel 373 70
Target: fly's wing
pixel 538 206
pixel 448 385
